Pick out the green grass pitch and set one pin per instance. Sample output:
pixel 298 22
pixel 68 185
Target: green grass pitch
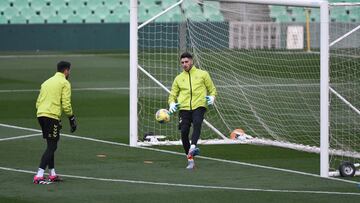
pixel 111 171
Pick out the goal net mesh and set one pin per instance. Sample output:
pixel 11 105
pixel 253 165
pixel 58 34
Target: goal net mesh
pixel 265 63
pixel 344 84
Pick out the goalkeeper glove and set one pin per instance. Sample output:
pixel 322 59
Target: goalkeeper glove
pixel 210 100
pixel 173 107
pixel 73 124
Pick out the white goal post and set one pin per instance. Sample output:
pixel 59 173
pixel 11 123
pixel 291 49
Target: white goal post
pixel 169 59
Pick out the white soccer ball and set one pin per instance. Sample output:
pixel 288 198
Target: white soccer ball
pixel 162 116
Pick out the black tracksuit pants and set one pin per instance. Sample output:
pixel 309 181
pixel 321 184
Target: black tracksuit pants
pixel 186 118
pixel 51 132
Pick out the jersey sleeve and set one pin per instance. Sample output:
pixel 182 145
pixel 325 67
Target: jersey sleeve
pixel 174 92
pixel 66 99
pixel 38 100
pixel 210 85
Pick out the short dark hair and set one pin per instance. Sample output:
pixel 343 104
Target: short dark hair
pixel 63 65
pixel 186 55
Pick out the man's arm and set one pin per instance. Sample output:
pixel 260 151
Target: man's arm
pixel 38 99
pixel 66 105
pixel 173 106
pixel 210 85
pixel 66 100
pixel 174 92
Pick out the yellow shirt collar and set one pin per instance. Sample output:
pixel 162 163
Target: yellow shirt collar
pixel 193 68
pixel 60 74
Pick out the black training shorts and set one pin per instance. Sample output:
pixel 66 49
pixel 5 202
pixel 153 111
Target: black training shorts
pixel 50 128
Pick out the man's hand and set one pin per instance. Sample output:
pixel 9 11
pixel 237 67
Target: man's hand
pixel 173 107
pixel 72 123
pixel 210 100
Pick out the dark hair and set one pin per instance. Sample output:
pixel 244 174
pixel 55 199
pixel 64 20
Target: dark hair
pixel 186 55
pixel 63 65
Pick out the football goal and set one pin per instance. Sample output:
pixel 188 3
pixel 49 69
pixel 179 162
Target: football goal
pixel 287 74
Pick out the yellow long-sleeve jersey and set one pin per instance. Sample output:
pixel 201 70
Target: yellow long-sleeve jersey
pixel 190 88
pixel 54 97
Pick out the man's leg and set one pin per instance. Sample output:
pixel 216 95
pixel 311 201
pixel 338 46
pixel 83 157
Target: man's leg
pixel 51 132
pixel 39 177
pixel 184 127
pixel 53 177
pixel 47 158
pixel 197 119
pixel 52 145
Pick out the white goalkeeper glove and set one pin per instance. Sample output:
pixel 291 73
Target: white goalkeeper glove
pixel 210 100
pixel 173 107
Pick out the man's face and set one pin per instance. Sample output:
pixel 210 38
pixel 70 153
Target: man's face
pixel 67 73
pixel 186 64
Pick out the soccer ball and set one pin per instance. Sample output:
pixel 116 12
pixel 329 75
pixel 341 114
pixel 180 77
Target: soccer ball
pixel 162 116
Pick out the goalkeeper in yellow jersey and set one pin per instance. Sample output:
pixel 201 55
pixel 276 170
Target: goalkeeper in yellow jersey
pixel 191 93
pixel 54 97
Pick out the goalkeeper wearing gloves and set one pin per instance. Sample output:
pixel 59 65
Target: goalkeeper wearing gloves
pixel 192 92
pixel 54 97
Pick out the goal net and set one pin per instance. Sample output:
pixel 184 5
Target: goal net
pixel 344 84
pixel 265 63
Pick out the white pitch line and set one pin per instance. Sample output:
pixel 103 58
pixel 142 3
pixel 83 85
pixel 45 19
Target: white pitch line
pixel 157 87
pixel 19 128
pixel 212 159
pixel 19 90
pixel 178 153
pixel 74 89
pixel 100 88
pixel 189 185
pixel 60 55
pixel 19 137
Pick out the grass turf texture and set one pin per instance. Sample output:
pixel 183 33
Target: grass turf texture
pixel 104 115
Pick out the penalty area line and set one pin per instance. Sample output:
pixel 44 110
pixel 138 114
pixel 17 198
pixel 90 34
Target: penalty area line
pixel 178 153
pixel 214 187
pixel 20 137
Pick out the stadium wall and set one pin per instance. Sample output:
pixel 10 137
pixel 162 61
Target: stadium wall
pixel 115 36
pixel 64 37
pixel 90 37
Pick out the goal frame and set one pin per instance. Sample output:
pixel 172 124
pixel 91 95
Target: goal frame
pixel 324 69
